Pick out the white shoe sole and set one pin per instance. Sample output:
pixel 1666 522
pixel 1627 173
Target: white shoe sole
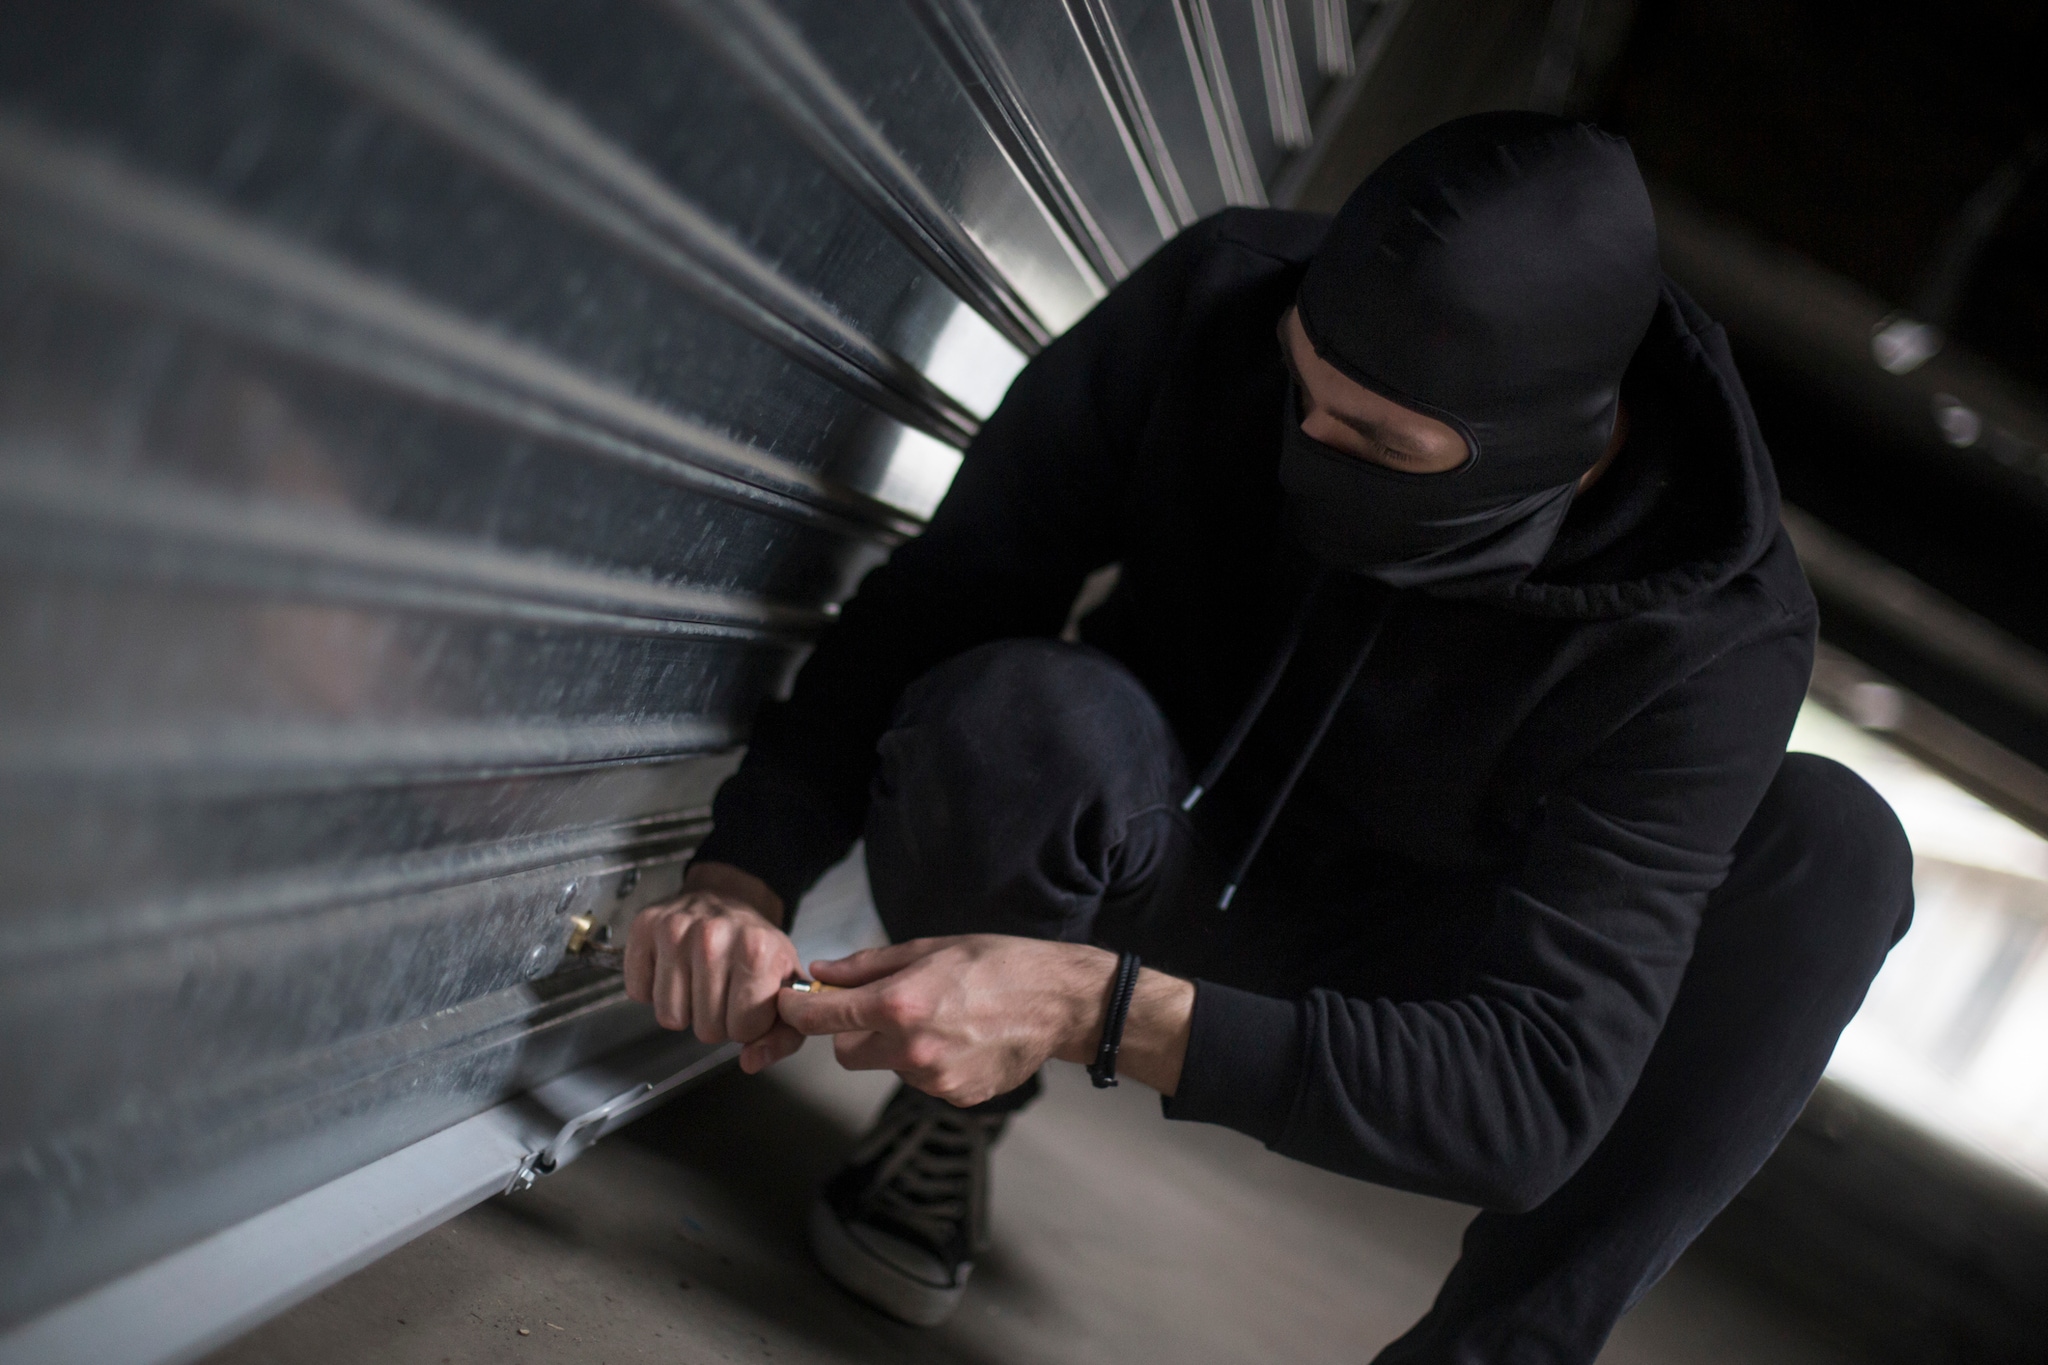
pixel 871 1278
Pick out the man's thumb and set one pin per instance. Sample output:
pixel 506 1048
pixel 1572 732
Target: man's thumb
pixel 869 964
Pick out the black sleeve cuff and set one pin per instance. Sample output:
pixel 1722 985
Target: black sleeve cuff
pixel 1243 1064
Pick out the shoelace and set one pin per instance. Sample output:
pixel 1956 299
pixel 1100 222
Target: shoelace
pixel 933 1175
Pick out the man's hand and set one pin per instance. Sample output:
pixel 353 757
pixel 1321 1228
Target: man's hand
pixel 713 960
pixel 972 1017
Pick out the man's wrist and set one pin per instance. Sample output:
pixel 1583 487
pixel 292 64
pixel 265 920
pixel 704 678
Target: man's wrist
pixel 1156 1028
pixel 735 883
pixel 1156 1031
pixel 1087 988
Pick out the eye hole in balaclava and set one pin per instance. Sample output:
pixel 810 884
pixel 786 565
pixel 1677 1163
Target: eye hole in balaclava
pixel 1497 273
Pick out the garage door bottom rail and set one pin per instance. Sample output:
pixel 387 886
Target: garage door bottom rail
pixel 201 1297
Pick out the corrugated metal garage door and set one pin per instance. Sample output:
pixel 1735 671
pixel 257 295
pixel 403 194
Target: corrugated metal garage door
pixel 426 432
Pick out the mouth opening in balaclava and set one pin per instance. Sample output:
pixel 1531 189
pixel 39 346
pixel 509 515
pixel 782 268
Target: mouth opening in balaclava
pixel 1497 274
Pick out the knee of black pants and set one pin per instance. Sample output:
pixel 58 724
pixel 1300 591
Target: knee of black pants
pixel 1014 790
pixel 1825 843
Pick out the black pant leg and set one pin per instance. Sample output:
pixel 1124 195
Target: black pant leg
pixel 1024 786
pixel 1820 889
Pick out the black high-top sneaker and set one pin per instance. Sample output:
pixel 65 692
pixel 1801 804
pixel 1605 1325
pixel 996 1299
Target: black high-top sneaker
pixel 900 1224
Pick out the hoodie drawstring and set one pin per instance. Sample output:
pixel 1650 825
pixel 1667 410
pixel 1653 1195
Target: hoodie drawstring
pixel 1261 694
pixel 1257 705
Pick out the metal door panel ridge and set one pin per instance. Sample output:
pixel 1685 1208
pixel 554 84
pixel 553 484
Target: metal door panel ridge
pixel 427 432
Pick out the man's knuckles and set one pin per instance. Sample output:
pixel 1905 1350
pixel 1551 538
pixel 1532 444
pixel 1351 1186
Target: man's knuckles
pixel 669 928
pixel 763 952
pixel 902 1009
pixel 710 933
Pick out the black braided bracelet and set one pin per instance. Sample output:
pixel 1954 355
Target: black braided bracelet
pixel 1103 1072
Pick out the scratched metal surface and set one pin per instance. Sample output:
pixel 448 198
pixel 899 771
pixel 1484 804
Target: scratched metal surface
pixel 427 431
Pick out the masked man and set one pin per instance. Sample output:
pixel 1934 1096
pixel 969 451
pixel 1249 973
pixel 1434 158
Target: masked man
pixel 1450 553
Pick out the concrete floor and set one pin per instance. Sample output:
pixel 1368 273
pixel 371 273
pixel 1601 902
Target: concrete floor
pixel 1119 1238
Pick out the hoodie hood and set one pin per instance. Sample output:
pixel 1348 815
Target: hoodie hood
pixel 1690 503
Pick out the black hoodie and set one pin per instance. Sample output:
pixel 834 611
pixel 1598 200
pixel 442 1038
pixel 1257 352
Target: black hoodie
pixel 1572 755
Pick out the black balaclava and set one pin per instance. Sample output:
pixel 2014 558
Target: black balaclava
pixel 1497 273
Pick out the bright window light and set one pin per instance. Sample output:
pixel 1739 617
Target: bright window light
pixel 921 469
pixel 970 360
pixel 1955 1026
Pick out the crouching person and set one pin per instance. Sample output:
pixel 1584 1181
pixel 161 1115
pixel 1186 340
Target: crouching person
pixel 1450 552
